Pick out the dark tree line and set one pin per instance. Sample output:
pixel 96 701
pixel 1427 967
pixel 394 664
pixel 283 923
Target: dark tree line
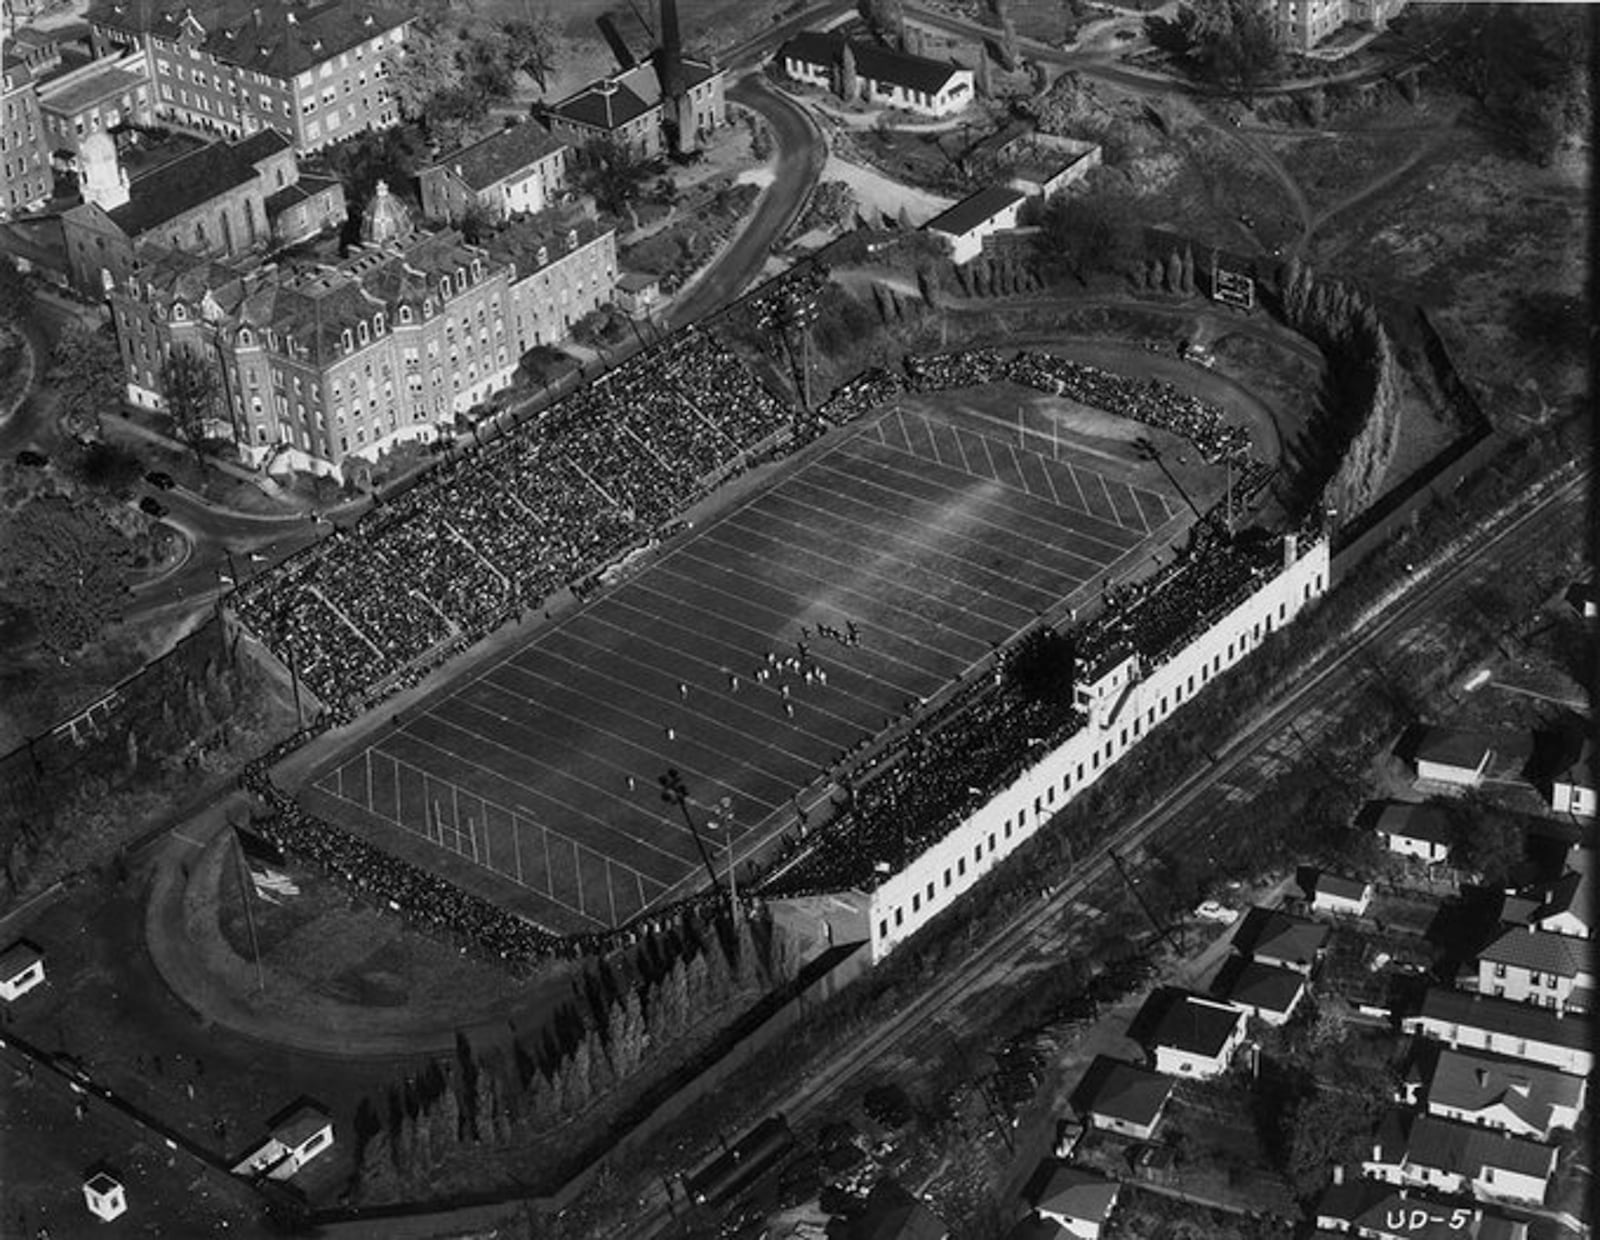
pixel 1360 424
pixel 612 1032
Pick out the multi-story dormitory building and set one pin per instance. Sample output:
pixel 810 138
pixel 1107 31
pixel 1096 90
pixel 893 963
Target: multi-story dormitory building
pixel 325 362
pixel 24 142
pixel 231 67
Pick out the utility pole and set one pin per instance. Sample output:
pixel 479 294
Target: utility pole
pixel 247 888
pixel 1164 932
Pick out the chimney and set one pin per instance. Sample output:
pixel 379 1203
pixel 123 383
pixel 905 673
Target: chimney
pixel 1338 1173
pixel 1291 550
pixel 1483 1078
pixel 255 15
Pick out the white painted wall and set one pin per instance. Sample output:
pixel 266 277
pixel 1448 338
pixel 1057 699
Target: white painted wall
pixel 907 901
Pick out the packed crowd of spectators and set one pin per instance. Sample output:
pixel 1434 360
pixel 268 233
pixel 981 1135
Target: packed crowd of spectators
pixel 1151 401
pixel 859 396
pixel 503 526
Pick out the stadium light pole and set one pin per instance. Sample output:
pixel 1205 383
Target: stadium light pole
pixel 675 792
pixel 721 819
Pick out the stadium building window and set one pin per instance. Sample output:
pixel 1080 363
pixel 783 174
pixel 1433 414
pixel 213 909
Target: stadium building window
pixel 930 893
pixel 883 929
pixel 947 879
pixel 991 842
pixel 899 917
pixel 961 867
pixel 916 903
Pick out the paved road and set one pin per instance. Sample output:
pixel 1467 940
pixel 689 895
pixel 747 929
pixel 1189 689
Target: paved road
pixel 1408 621
pixel 801 154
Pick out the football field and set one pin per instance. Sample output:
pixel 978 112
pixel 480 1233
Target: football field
pixel 937 529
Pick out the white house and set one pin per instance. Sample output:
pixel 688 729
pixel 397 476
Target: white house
pixel 1447 1156
pixel 1414 830
pixel 1195 1037
pixel 515 171
pixel 306 1133
pixel 1532 965
pixel 1122 1098
pixel 1346 897
pixel 1077 1201
pixel 1505 1027
pixel 1492 1091
pixel 104 1196
pixel 1267 992
pixel 1565 906
pixel 1453 757
pixel 980 215
pixel 1572 790
pixel 21 969
pixel 884 76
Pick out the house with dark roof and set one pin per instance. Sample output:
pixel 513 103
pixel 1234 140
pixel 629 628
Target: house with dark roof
pixel 1273 937
pixel 1379 1211
pixel 1268 992
pixel 627 108
pixel 991 210
pixel 1415 830
pixel 1076 1200
pixel 212 200
pixel 1563 906
pixel 21 969
pixel 894 1214
pixel 1424 1151
pixel 1192 1036
pixel 1505 1027
pixel 1453 757
pixel 1532 965
pixel 1122 1098
pixel 521 170
pixel 1344 897
pixel 317 69
pixel 885 76
pixel 1494 1091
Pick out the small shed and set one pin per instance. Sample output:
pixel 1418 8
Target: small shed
pixel 991 210
pixel 105 1196
pixel 1454 757
pixel 1334 893
pixel 21 969
pixel 304 1133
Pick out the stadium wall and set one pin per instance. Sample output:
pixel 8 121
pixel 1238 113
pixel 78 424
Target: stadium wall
pixel 910 899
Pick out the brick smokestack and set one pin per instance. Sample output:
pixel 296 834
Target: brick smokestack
pixel 677 112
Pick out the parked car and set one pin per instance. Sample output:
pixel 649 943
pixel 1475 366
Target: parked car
pixel 161 481
pixel 32 459
pixel 150 504
pixel 1219 913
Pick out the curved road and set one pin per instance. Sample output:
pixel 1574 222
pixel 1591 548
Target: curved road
pixel 801 154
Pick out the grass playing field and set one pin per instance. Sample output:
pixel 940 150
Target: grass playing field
pixel 928 527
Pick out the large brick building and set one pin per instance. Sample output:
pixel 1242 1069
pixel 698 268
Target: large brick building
pixel 24 141
pixel 224 198
pixel 1302 24
pixel 325 363
pixel 315 70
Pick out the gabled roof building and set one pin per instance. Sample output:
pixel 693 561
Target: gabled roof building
pixel 327 363
pixel 884 75
pixel 628 108
pixel 516 171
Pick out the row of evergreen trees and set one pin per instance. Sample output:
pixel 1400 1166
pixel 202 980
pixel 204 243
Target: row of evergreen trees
pixel 614 1032
pixel 1361 419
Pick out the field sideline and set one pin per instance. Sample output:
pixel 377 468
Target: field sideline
pixel 927 527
